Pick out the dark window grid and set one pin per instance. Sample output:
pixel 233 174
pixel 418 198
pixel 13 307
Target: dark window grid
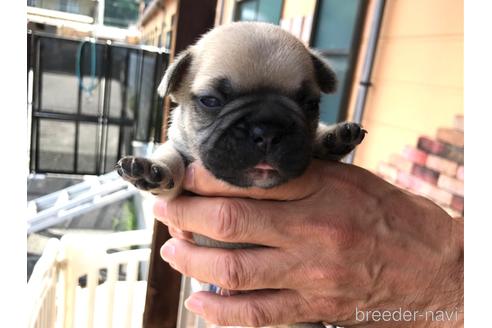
pixel 123 122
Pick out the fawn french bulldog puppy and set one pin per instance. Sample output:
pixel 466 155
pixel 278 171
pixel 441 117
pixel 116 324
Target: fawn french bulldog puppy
pixel 248 96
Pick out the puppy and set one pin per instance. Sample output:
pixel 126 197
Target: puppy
pixel 248 96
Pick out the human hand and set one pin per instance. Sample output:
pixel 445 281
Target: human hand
pixel 340 240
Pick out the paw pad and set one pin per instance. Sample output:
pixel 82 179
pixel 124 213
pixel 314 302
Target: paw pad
pixel 144 174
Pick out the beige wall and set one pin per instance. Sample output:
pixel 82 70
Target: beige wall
pixel 418 76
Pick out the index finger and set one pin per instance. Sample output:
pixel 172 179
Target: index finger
pixel 200 181
pixel 230 219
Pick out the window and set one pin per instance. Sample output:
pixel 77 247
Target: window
pixel 337 36
pixel 259 10
pixel 120 13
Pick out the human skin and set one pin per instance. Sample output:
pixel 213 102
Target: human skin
pixel 336 239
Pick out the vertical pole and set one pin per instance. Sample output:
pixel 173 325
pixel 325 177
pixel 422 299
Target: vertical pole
pixel 365 81
pixel 139 90
pixel 38 98
pixel 193 18
pixel 123 104
pixel 79 111
pixel 33 65
pixel 153 103
pixel 106 102
pixel 163 63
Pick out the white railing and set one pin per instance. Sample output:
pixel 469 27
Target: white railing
pixel 56 297
pixel 41 288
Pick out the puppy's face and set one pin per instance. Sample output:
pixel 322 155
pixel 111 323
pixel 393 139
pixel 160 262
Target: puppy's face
pixel 248 96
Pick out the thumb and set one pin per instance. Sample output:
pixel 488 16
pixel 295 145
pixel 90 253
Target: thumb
pixel 252 309
pixel 200 181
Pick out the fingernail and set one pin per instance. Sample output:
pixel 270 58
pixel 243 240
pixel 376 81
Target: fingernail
pixel 167 251
pixel 189 180
pixel 194 305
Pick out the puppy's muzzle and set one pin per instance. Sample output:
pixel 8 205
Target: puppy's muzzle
pixel 266 120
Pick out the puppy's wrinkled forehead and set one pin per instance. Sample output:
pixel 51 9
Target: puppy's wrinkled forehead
pixel 251 56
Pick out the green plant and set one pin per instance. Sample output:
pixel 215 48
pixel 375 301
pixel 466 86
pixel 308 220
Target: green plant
pixel 128 218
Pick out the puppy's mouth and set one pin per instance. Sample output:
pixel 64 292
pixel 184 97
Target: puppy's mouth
pixel 263 175
pixel 263 166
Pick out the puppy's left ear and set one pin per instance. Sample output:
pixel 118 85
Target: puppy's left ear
pixel 175 74
pixel 326 77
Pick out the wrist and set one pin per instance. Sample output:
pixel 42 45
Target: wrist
pixel 450 298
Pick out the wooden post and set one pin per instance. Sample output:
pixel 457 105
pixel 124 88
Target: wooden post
pixel 193 18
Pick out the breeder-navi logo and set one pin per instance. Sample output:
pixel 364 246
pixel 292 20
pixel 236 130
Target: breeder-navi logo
pixel 405 315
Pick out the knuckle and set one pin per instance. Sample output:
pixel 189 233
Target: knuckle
pixel 229 217
pixel 230 272
pixel 256 315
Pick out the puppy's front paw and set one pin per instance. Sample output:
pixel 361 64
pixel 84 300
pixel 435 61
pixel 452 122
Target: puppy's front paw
pixel 344 137
pixel 145 174
pixel 340 140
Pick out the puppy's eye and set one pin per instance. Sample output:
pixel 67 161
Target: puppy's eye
pixel 210 102
pixel 311 106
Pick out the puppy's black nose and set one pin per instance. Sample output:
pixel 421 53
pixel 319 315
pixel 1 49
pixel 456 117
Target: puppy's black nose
pixel 265 136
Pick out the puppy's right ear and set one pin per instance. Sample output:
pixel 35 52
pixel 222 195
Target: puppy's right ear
pixel 175 74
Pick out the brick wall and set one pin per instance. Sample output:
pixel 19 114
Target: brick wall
pixel 433 167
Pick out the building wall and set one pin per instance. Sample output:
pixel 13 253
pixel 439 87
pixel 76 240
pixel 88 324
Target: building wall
pixel 171 10
pixel 152 30
pixel 417 76
pixel 157 27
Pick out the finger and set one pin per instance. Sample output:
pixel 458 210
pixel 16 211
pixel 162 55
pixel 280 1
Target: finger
pixel 234 269
pixel 230 219
pixel 180 234
pixel 200 181
pixel 253 309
